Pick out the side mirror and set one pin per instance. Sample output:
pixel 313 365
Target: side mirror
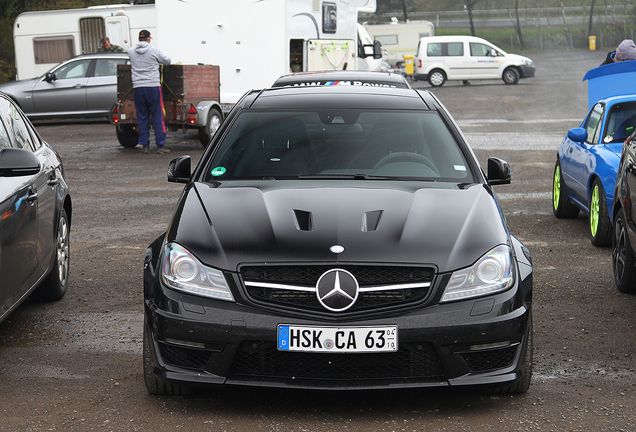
pixel 493 53
pixel 16 162
pixel 179 170
pixel 377 50
pixel 50 76
pixel 578 135
pixel 498 171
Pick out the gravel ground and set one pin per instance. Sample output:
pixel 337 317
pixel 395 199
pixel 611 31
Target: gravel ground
pixel 75 365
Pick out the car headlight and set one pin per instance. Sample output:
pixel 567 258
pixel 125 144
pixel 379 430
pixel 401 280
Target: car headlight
pixel 528 62
pixel 183 272
pixel 492 273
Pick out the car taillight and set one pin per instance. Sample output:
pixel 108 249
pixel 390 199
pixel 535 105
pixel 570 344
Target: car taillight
pixel 114 115
pixel 419 63
pixel 192 114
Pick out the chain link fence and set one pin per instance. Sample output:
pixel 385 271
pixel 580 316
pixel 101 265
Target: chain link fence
pixel 541 28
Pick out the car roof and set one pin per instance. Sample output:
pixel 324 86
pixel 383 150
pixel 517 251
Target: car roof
pixel 345 77
pixel 96 55
pixel 342 97
pixel 617 99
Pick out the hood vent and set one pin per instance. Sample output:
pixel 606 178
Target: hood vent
pixel 371 220
pixel 304 220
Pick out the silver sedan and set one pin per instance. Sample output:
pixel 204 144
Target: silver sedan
pixel 83 86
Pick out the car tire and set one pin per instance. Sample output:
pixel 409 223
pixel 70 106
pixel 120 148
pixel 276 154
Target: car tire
pixel 215 118
pixel 600 225
pixel 54 286
pixel 562 207
pixel 436 78
pixel 623 256
pixel 127 135
pixel 154 384
pixel 523 384
pixel 510 76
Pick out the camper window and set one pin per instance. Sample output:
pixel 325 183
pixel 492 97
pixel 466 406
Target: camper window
pixel 391 39
pixel 53 49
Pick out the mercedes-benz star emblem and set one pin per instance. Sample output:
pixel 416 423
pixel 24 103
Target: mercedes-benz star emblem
pixel 337 290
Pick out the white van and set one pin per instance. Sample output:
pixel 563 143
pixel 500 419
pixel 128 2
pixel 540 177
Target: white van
pixel 441 58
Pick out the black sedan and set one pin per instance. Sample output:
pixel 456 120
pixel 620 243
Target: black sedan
pixel 35 214
pixel 338 237
pixel 624 206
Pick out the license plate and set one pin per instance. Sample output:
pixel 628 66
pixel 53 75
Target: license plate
pixel 337 339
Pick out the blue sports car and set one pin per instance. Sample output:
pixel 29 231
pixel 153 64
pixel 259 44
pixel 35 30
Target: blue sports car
pixel 587 162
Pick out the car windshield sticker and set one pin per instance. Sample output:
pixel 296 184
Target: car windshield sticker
pixel 459 168
pixel 341 83
pixel 218 171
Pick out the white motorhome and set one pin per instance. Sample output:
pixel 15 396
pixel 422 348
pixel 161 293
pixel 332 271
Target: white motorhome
pixel 255 42
pixel 400 39
pixel 45 38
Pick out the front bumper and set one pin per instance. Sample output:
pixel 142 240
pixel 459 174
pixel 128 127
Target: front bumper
pixel 473 342
pixel 527 71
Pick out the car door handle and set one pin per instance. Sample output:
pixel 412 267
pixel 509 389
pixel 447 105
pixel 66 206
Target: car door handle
pixel 79 86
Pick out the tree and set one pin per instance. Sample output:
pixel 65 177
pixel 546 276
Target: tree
pixel 469 5
pixel 518 26
pixel 589 27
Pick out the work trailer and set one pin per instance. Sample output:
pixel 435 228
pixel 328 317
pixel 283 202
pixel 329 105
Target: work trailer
pixel 45 38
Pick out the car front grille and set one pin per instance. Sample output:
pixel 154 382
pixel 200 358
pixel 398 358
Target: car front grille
pixel 294 286
pixel 257 359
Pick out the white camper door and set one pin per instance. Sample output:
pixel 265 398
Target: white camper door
pixel 118 30
pixel 327 54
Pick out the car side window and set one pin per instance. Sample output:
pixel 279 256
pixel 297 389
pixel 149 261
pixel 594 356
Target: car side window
pixel 5 141
pixel 76 69
pixel 479 50
pixel 21 130
pixel 592 125
pixel 439 49
pixel 108 67
pixel 455 49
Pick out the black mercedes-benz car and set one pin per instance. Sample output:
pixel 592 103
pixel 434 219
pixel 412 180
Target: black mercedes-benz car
pixel 338 237
pixel 35 214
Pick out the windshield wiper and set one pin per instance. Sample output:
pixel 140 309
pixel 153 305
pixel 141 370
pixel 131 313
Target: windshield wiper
pixel 337 177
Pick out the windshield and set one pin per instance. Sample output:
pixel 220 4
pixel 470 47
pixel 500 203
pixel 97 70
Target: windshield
pixel 339 144
pixel 620 122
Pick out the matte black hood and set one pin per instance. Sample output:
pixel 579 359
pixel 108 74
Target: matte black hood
pixel 449 228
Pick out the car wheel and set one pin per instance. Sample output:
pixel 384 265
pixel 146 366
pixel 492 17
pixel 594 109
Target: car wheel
pixel 127 135
pixel 562 207
pixel 436 78
pixel 207 132
pixel 623 256
pixel 600 225
pixel 510 76
pixel 154 384
pixel 54 286
pixel 523 384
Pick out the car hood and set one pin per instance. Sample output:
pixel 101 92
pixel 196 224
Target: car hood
pixel 10 87
pixel 449 228
pixel 519 58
